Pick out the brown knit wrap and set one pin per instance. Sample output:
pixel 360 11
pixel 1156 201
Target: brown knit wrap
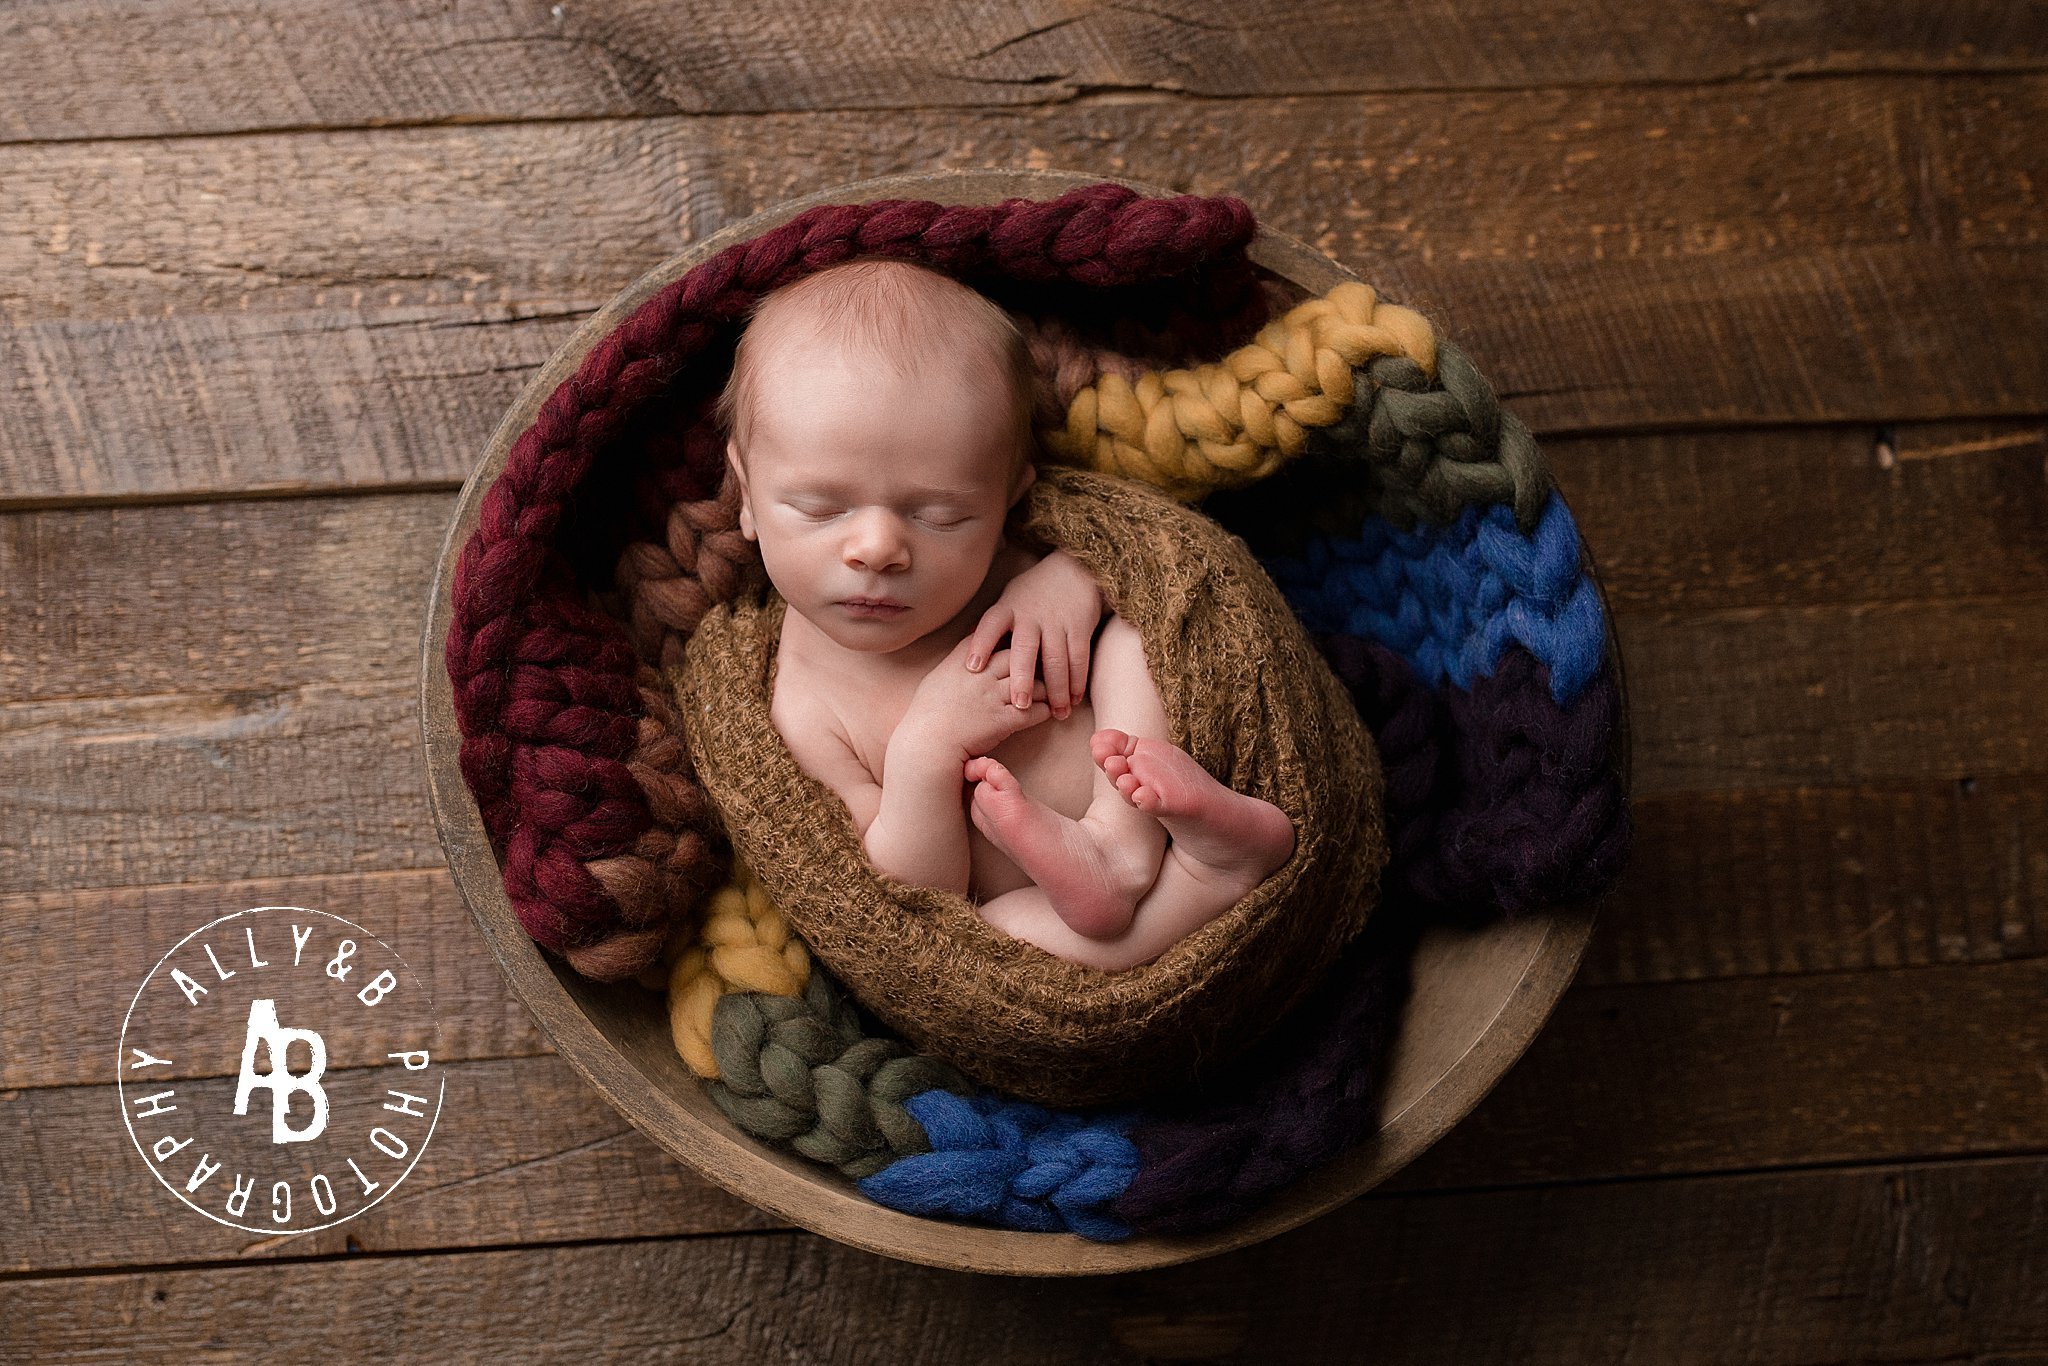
pixel 1245 692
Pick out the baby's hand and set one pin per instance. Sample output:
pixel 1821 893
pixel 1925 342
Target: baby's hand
pixel 1050 612
pixel 971 713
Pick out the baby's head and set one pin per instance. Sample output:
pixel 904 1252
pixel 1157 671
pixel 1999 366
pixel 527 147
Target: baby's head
pixel 879 417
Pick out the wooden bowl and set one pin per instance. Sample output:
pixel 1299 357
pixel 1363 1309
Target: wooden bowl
pixel 1477 997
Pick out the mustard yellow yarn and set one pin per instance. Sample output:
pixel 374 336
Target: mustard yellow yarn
pixel 1218 425
pixel 739 943
pixel 1233 421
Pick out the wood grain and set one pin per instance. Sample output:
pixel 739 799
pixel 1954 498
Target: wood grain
pixel 355 308
pixel 229 405
pixel 74 959
pixel 1809 696
pixel 525 1151
pixel 1758 1072
pixel 1689 521
pixel 327 778
pixel 178 787
pixel 277 593
pixel 191 68
pixel 1894 1263
pixel 1624 1081
pixel 1819 879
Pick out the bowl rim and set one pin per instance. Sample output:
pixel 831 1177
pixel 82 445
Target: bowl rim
pixel 703 1139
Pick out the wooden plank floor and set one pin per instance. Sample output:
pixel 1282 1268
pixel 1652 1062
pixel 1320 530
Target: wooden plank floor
pixel 1767 280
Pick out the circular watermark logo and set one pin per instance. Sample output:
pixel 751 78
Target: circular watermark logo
pixel 278 1070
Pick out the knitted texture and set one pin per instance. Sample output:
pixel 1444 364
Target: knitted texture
pixel 804 1072
pixel 1452 598
pixel 1503 794
pixel 544 683
pixel 1234 421
pixel 1453 761
pixel 740 944
pixel 1014 1164
pixel 1244 692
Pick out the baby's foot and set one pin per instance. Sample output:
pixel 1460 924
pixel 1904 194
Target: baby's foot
pixel 1093 884
pixel 1223 837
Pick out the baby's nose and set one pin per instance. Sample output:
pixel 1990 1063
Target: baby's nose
pixel 877 541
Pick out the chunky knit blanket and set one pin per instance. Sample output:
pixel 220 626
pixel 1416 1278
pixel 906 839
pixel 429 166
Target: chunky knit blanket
pixel 1413 531
pixel 1244 692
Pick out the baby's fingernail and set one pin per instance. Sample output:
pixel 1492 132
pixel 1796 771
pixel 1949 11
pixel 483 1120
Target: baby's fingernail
pixel 974 662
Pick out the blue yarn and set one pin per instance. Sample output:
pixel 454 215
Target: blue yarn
pixel 1014 1164
pixel 1449 599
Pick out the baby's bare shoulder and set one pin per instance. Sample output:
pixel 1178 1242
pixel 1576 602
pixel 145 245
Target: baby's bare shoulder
pixel 816 734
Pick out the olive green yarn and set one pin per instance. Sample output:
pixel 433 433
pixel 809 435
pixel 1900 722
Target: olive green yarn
pixel 1410 449
pixel 803 1073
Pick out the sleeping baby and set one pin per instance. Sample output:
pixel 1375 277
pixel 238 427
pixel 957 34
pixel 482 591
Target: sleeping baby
pixel 879 421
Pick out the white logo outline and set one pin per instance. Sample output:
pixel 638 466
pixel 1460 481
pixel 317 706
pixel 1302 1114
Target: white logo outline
pixel 127 1119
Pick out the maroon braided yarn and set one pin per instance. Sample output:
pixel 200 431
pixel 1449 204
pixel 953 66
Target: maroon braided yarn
pixel 545 686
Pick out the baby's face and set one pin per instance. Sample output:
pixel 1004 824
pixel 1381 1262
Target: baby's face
pixel 878 501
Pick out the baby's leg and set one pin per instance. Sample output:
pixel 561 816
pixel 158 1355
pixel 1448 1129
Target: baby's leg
pixel 1222 840
pixel 1225 839
pixel 1092 870
pixel 1242 838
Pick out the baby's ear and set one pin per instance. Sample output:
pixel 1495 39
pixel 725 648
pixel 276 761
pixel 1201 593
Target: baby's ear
pixel 1026 477
pixel 739 474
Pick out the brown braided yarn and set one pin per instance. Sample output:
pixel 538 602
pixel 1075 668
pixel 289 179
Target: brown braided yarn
pixel 1067 363
pixel 1245 692
pixel 680 857
pixel 543 678
pixel 669 586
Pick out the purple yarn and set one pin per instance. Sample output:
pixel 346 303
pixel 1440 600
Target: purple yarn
pixel 1499 800
pixel 1527 810
pixel 1312 1093
pixel 1538 813
pixel 1406 720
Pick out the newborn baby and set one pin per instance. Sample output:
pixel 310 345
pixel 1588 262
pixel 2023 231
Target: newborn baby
pixel 879 420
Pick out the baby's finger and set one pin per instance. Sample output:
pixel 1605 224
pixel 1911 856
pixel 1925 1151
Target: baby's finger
pixel 1052 662
pixel 1023 663
pixel 1077 665
pixel 994 623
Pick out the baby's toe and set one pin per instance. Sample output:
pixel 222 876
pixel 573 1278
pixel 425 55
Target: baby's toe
pixel 1107 743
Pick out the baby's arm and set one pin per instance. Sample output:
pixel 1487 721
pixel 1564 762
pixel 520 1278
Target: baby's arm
pixel 919 833
pixel 1050 610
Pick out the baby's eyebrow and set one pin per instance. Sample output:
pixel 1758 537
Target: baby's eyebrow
pixel 925 492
